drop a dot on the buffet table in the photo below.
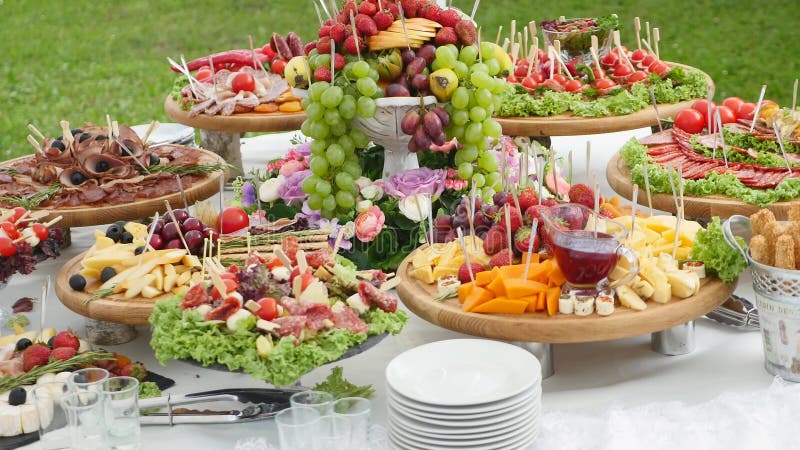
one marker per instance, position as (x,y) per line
(590,377)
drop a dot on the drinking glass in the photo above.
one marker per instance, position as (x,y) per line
(87,380)
(332,434)
(53,430)
(297,427)
(356,411)
(86,420)
(321,401)
(121,404)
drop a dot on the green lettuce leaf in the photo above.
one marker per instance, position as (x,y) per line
(383,322)
(337,386)
(722,259)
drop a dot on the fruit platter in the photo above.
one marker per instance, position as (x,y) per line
(577,85)
(241,89)
(750,164)
(98,174)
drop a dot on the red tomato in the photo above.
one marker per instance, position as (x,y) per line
(203,74)
(19,211)
(746,111)
(243,81)
(41,231)
(278,65)
(690,120)
(267,50)
(268,308)
(10,229)
(228,276)
(610,59)
(230,286)
(622,70)
(529,83)
(726,114)
(7,247)
(573,85)
(649,59)
(658,67)
(638,55)
(733,103)
(561,79)
(273,263)
(604,83)
(598,74)
(702,107)
(232,219)
(639,75)
(512,79)
(538,78)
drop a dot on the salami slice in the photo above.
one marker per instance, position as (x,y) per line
(664,137)
(195,296)
(291,305)
(318,316)
(290,326)
(347,319)
(370,294)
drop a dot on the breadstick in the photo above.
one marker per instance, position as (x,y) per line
(784,252)
(771,231)
(759,250)
(759,220)
(793,230)
(794,213)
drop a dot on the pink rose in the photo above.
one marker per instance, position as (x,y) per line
(369,224)
(291,166)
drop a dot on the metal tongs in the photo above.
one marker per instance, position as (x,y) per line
(240,405)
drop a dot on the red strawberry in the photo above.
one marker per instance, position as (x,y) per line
(323,31)
(582,194)
(522,240)
(409,8)
(66,339)
(309,46)
(337,33)
(527,198)
(501,259)
(516,220)
(63,353)
(365,25)
(446,36)
(534,212)
(322,74)
(465,30)
(495,240)
(393,9)
(346,9)
(350,45)
(448,17)
(383,19)
(367,8)
(324,46)
(463,271)
(35,355)
(550,202)
(135,370)
(431,11)
(338,62)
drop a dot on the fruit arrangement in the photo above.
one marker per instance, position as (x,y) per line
(275,319)
(239,81)
(24,241)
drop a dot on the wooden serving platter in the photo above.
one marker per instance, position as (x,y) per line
(619,178)
(83,216)
(113,308)
(560,328)
(237,123)
(571,125)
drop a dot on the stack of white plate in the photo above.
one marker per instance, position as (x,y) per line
(464,393)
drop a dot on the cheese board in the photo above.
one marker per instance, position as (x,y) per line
(557,329)
(237,123)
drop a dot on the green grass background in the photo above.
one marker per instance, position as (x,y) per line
(80,60)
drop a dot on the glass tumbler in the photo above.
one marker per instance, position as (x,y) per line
(85,419)
(356,411)
(297,427)
(87,380)
(321,401)
(121,404)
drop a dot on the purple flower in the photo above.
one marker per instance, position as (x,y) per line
(248,194)
(416,181)
(291,191)
(304,149)
(334,226)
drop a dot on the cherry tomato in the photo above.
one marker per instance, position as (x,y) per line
(538,78)
(560,79)
(234,269)
(622,70)
(702,107)
(638,55)
(10,229)
(639,75)
(243,81)
(41,231)
(529,83)
(268,308)
(277,66)
(648,60)
(512,79)
(604,83)
(267,50)
(610,59)
(203,74)
(230,286)
(690,120)
(7,247)
(19,211)
(598,74)
(658,67)
(273,263)
(573,85)
(232,219)
(726,114)
(733,103)
(746,111)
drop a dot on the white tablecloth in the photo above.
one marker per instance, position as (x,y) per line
(589,378)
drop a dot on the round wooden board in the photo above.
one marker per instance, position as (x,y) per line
(619,178)
(561,328)
(571,125)
(113,308)
(237,123)
(98,215)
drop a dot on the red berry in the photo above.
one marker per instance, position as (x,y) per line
(337,33)
(367,8)
(63,353)
(66,339)
(383,19)
(35,355)
(502,258)
(448,17)
(324,46)
(463,271)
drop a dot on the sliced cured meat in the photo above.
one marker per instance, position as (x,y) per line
(372,295)
(226,309)
(347,319)
(318,317)
(662,137)
(11,367)
(290,326)
(195,296)
(292,305)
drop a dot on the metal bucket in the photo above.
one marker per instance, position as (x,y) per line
(777,294)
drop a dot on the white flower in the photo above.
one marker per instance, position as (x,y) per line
(363,205)
(363,182)
(349,229)
(268,191)
(415,207)
(372,192)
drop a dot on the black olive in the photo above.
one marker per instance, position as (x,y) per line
(23,343)
(113,234)
(100,137)
(50,341)
(17,396)
(59,145)
(121,224)
(84,137)
(59,138)
(77,282)
(126,238)
(107,273)
(154,159)
(101,166)
(75,131)
(77,178)
(138,250)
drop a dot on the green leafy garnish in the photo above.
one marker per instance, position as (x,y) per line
(711,248)
(34,200)
(54,366)
(337,386)
(18,319)
(100,293)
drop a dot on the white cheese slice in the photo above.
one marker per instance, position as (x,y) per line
(29,418)
(10,423)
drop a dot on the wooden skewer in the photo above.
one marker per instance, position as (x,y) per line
(618,44)
(153,125)
(553,62)
(634,204)
(515,51)
(780,143)
(302,263)
(499,33)
(513,36)
(430,215)
(53,222)
(647,188)
(205,252)
(655,108)
(758,106)
(596,203)
(325,9)
(677,233)
(466,253)
(561,65)
(637,27)
(534,227)
(43,310)
(532,55)
(403,24)
(794,96)
(525,39)
(508,233)
(475,11)
(506,44)
(722,138)
(647,27)
(588,157)
(532,28)
(23,217)
(67,133)
(516,202)
(569,166)
(178,226)
(319,16)
(338,242)
(278,251)
(520,43)
(656,38)
(355,37)
(39,134)
(34,144)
